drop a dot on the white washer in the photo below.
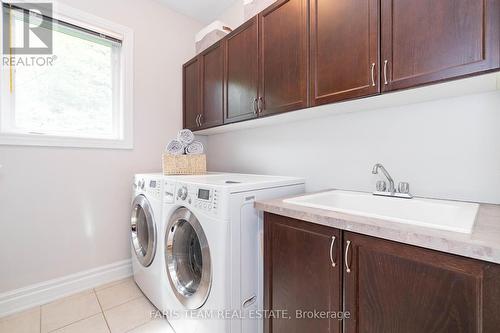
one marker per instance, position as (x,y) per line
(144,230)
(146,236)
(212,247)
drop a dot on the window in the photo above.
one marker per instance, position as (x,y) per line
(79,95)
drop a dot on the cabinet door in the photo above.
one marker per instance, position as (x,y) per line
(242,71)
(299,275)
(191,94)
(212,82)
(425,41)
(344,49)
(393,287)
(284,57)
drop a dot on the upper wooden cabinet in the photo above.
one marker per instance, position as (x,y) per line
(303,272)
(425,41)
(392,287)
(344,49)
(212,86)
(203,89)
(284,56)
(242,61)
(191,99)
(301,53)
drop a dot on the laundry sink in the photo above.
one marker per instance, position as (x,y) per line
(437,214)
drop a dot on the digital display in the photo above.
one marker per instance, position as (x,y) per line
(152,184)
(203,194)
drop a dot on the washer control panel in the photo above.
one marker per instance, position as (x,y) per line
(169,192)
(152,187)
(206,199)
(203,198)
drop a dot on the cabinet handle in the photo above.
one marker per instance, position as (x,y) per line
(197,121)
(249,301)
(201,121)
(262,105)
(346,259)
(385,72)
(255,106)
(373,75)
(331,251)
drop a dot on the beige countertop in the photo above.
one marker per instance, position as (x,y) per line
(483,243)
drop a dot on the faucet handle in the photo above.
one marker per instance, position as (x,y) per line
(404,188)
(381,186)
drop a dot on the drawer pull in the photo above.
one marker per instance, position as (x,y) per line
(331,251)
(346,259)
(249,301)
(373,75)
(386,82)
(262,104)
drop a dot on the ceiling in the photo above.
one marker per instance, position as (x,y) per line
(204,11)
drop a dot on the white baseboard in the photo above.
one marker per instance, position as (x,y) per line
(45,292)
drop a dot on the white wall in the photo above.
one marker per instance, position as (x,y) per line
(233,16)
(63,211)
(448,148)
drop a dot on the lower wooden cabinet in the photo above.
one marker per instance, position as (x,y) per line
(394,287)
(385,287)
(303,272)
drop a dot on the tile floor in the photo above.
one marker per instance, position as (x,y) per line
(116,307)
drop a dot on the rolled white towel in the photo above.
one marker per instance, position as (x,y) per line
(185,136)
(175,147)
(195,148)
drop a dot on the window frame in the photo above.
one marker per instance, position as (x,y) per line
(125,115)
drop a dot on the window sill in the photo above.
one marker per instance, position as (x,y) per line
(8,139)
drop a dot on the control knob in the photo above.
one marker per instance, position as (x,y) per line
(182,193)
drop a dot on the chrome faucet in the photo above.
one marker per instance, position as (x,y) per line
(382,190)
(378,166)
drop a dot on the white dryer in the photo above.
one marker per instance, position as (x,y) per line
(212,246)
(144,234)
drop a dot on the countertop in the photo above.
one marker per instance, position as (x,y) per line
(483,243)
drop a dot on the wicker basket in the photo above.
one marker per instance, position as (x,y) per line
(184,164)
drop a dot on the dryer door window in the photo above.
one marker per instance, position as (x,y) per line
(188,259)
(143,230)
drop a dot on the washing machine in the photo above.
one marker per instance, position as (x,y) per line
(144,234)
(213,250)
